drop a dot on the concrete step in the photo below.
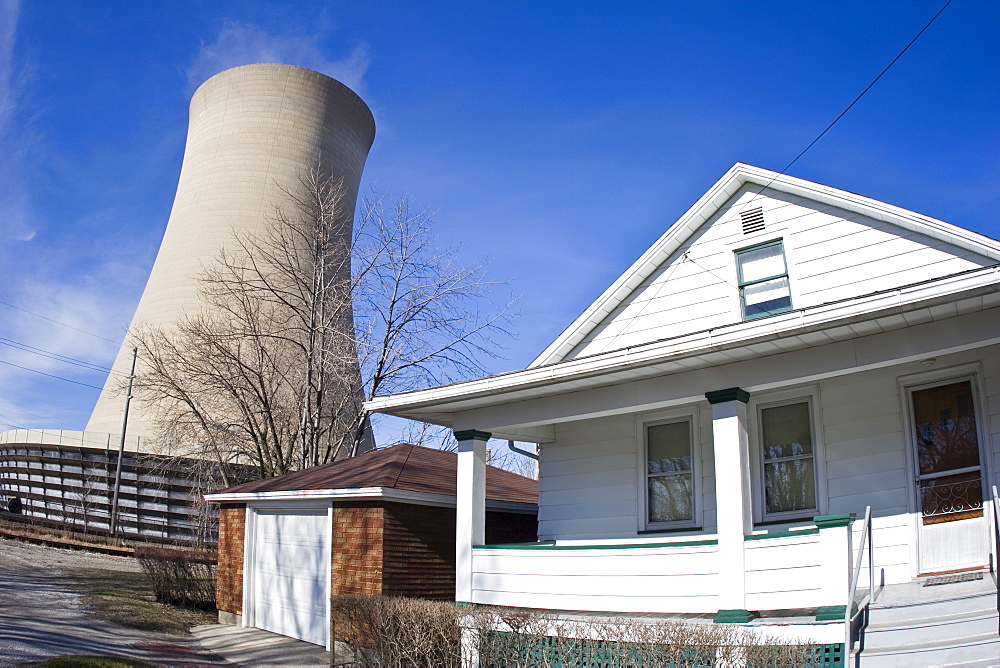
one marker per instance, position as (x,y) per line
(944,628)
(952,625)
(883,614)
(978,652)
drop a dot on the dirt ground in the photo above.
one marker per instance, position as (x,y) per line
(55,602)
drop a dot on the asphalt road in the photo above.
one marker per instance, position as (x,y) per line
(41,616)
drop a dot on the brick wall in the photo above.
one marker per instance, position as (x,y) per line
(357,548)
(229,575)
(419,551)
(419,547)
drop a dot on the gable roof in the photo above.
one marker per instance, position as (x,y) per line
(701,212)
(404,467)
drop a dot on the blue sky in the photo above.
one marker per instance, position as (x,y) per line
(557,139)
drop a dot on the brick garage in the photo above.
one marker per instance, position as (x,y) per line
(387,520)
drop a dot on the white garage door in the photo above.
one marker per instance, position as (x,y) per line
(291,573)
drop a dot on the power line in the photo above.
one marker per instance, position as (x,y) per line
(867,88)
(53,355)
(854,102)
(62,324)
(75,382)
(6,419)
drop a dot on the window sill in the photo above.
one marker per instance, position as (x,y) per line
(653,532)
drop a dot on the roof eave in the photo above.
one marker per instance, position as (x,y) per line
(278,497)
(422,404)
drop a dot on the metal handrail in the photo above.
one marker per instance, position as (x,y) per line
(996,533)
(849,614)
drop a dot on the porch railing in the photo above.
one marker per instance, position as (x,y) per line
(850,615)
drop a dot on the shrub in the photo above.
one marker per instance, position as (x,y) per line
(180,576)
(394,632)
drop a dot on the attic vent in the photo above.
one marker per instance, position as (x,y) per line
(753,220)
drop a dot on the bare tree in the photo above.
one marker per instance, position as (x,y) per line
(303,322)
(422,317)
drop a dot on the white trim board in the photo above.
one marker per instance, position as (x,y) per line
(301,496)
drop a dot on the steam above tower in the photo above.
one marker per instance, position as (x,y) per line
(254,131)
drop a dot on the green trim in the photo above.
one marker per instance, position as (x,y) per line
(832,521)
(781,534)
(647,532)
(516,546)
(625,546)
(472,435)
(831,613)
(729,394)
(734,616)
(785,521)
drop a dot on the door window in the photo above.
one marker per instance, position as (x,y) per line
(947,440)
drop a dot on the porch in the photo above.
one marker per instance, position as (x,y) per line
(804,569)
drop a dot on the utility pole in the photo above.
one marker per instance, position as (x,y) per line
(121,449)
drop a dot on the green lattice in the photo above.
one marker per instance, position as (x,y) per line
(549,652)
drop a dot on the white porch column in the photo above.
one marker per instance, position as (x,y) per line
(732,496)
(470,509)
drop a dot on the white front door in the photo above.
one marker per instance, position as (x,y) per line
(291,573)
(953,534)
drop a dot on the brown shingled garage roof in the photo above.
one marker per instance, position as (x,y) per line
(404,467)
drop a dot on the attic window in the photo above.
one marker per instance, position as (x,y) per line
(753,220)
(763,277)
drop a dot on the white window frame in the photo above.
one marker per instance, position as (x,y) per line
(759,402)
(740,284)
(690,415)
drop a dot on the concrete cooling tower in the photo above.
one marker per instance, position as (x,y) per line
(253,132)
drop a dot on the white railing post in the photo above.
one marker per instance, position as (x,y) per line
(836,554)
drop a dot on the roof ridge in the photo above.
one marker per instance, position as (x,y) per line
(403,465)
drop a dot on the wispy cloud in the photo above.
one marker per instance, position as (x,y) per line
(245,44)
(15,209)
(9,11)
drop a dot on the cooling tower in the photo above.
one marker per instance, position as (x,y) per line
(253,132)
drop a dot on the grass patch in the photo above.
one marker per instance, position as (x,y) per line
(126,598)
(94,662)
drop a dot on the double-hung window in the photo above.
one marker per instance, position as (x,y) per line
(763,278)
(788,459)
(669,473)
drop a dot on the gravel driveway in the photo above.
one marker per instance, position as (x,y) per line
(41,615)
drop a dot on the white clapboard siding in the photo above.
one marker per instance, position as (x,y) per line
(588,484)
(783,572)
(596,508)
(831,254)
(891,538)
(681,579)
(586,528)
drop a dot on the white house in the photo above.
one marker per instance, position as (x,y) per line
(712,429)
